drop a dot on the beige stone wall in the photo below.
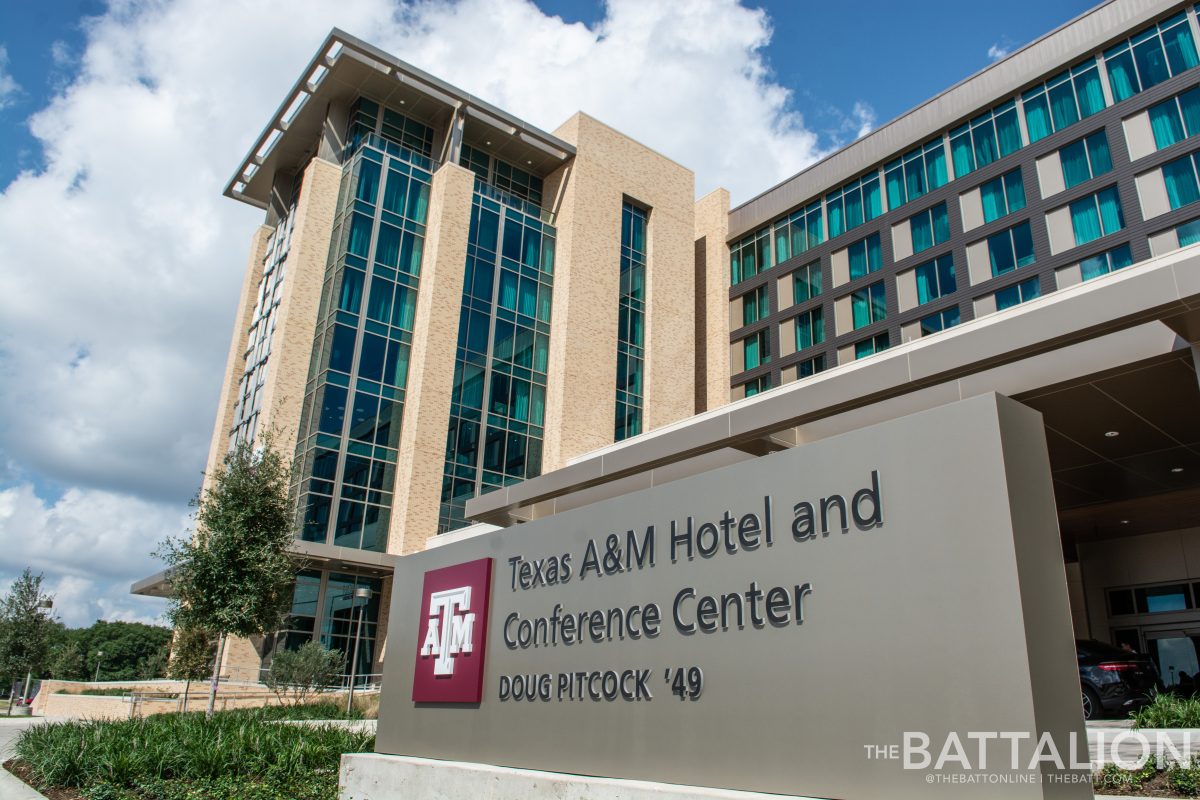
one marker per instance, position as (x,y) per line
(712,257)
(242,659)
(291,347)
(588,194)
(431,366)
(235,363)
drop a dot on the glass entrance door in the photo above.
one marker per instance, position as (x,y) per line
(1177,656)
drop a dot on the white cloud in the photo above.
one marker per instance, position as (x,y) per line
(8,85)
(120,263)
(999,51)
(88,543)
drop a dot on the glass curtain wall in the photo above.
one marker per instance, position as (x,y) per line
(354,400)
(631,322)
(498,399)
(325,609)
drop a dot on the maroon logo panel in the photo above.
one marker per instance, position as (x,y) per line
(452,634)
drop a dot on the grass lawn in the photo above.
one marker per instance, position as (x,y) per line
(241,754)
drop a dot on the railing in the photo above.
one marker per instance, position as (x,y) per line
(377,142)
(513,201)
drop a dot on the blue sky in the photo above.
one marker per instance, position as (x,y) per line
(120,261)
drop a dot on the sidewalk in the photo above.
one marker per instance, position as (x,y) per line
(12,787)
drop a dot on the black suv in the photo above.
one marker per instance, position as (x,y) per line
(1114,680)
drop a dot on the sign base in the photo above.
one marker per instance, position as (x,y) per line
(371,776)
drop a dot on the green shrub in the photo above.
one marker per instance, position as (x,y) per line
(1184,779)
(1168,711)
(325,709)
(296,674)
(1112,777)
(242,748)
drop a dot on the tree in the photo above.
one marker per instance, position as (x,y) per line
(132,650)
(66,662)
(234,575)
(25,628)
(295,674)
(191,658)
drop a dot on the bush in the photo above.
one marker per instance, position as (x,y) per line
(1168,711)
(1184,779)
(1112,777)
(324,709)
(234,754)
(296,674)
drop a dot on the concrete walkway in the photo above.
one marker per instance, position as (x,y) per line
(12,787)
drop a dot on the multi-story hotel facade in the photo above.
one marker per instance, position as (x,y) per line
(453,317)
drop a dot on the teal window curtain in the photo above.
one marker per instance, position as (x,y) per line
(1120,257)
(837,222)
(941,223)
(894,178)
(1022,239)
(1189,233)
(1014,190)
(1180,178)
(1089,92)
(1098,157)
(1085,220)
(1000,253)
(1008,130)
(947,284)
(935,165)
(735,265)
(960,151)
(1165,123)
(922,232)
(1074,164)
(751,352)
(1094,267)
(1037,115)
(864,348)
(991,194)
(359,243)
(1063,110)
(874,255)
(927,287)
(872,199)
(854,208)
(783,243)
(508,290)
(797,236)
(1151,62)
(878,302)
(1189,105)
(860,307)
(857,255)
(1121,76)
(1111,217)
(984,136)
(914,179)
(1181,49)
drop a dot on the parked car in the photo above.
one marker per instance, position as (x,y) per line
(1114,681)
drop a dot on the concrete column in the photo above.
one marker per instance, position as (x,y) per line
(581,382)
(431,364)
(291,346)
(712,296)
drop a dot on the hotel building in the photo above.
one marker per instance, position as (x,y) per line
(455,318)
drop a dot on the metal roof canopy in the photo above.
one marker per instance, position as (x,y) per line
(346,67)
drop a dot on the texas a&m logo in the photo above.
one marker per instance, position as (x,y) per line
(452,634)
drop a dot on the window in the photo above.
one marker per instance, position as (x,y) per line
(1097,215)
(868,305)
(1106,262)
(800,231)
(810,328)
(631,319)
(936,323)
(1018,293)
(1149,58)
(915,173)
(853,204)
(935,279)
(984,139)
(869,347)
(806,282)
(750,256)
(864,256)
(1180,177)
(810,367)
(1156,599)
(1189,233)
(929,228)
(1085,159)
(757,349)
(1175,119)
(755,306)
(1063,100)
(1010,249)
(758,385)
(1002,195)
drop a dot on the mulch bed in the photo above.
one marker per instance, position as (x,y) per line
(23,771)
(1154,787)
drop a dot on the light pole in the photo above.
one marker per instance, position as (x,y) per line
(360,593)
(99,655)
